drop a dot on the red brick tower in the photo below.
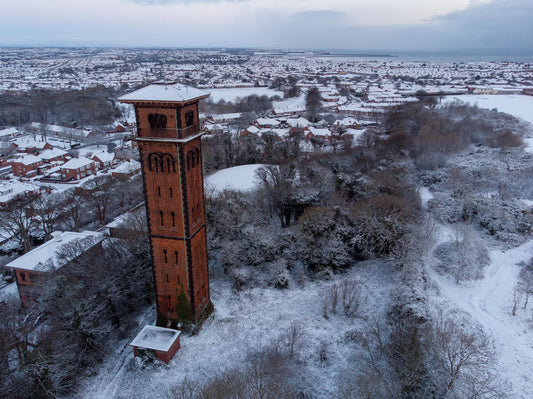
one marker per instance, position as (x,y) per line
(168,136)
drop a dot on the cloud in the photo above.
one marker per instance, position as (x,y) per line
(166,2)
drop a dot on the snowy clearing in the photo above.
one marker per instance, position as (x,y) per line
(245,323)
(241,92)
(488,302)
(516,105)
(238,178)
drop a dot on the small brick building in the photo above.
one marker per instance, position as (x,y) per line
(163,342)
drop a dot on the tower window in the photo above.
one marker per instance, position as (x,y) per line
(158,191)
(189,118)
(173,219)
(167,278)
(176,257)
(157,121)
(170,191)
(165,255)
(169,301)
(161,218)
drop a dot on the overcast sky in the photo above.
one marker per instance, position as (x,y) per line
(309,24)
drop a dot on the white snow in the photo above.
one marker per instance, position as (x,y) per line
(425,196)
(488,302)
(239,178)
(162,92)
(38,257)
(156,338)
(518,105)
(77,163)
(240,92)
(529,145)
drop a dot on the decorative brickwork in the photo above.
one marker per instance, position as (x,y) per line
(168,137)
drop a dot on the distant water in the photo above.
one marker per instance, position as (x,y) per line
(472,55)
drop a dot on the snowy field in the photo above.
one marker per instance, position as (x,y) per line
(513,104)
(241,92)
(238,178)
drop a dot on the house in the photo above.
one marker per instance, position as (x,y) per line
(30,145)
(250,130)
(267,123)
(163,342)
(78,168)
(127,169)
(31,268)
(53,155)
(8,133)
(313,132)
(26,166)
(104,159)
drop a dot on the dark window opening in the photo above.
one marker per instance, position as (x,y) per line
(173,219)
(159,191)
(22,276)
(170,191)
(189,118)
(157,121)
(176,257)
(167,278)
(161,218)
(169,300)
(165,255)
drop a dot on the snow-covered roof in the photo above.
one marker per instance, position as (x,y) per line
(128,167)
(252,129)
(165,93)
(41,256)
(300,122)
(53,153)
(105,156)
(29,142)
(28,160)
(76,163)
(10,131)
(268,122)
(156,338)
(319,132)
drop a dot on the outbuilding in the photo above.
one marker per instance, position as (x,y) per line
(163,342)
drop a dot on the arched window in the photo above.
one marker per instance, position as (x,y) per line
(157,121)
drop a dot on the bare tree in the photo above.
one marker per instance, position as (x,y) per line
(49,209)
(463,354)
(19,219)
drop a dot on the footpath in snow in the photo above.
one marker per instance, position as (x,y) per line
(489,303)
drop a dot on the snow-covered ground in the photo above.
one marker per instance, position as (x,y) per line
(513,104)
(238,178)
(245,323)
(488,303)
(241,92)
(529,145)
